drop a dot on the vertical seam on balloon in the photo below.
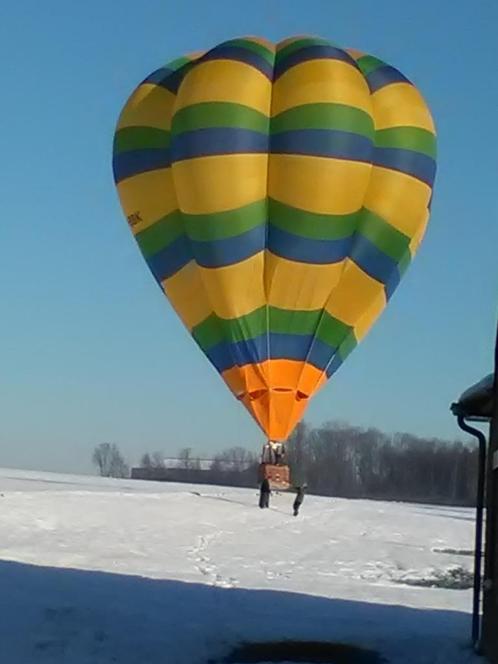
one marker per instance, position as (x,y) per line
(267,230)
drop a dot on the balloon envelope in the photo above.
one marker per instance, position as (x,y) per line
(278,193)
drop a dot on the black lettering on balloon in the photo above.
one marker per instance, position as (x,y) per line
(134,218)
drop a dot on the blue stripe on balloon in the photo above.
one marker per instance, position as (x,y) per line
(383,76)
(376,264)
(306,250)
(240,54)
(170,79)
(217,141)
(372,260)
(159,76)
(127,164)
(299,347)
(334,365)
(416,164)
(317,52)
(226,355)
(320,354)
(210,254)
(290,346)
(323,143)
(171,259)
(392,283)
(227,251)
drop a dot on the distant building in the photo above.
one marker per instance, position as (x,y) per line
(200,471)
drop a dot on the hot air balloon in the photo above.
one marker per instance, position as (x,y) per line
(278,193)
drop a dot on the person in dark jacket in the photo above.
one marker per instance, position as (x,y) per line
(264,494)
(299,499)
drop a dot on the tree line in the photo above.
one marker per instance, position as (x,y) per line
(337,459)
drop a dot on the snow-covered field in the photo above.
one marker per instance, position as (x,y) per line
(96,571)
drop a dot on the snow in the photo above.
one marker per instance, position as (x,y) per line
(96,571)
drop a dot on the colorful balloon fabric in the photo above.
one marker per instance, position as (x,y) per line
(278,193)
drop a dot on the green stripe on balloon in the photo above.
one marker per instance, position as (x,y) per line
(311,224)
(324,116)
(347,346)
(331,330)
(334,227)
(259,49)
(230,223)
(404,263)
(369,63)
(219,114)
(285,321)
(300,43)
(200,227)
(160,234)
(178,63)
(325,327)
(214,330)
(139,138)
(388,239)
(407,138)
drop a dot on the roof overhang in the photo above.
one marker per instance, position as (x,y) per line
(477,402)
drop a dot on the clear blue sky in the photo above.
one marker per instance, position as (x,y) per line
(91,352)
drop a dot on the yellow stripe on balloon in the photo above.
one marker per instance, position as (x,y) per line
(235,290)
(147,197)
(370,315)
(149,106)
(224,182)
(186,293)
(225,81)
(299,286)
(318,184)
(419,233)
(356,294)
(401,105)
(406,205)
(321,81)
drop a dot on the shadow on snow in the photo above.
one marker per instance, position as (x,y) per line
(81,617)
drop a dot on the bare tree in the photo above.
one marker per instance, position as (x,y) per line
(235,459)
(109,460)
(157,460)
(146,461)
(185,458)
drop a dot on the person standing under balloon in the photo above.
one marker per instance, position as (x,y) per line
(279,453)
(299,499)
(264,494)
